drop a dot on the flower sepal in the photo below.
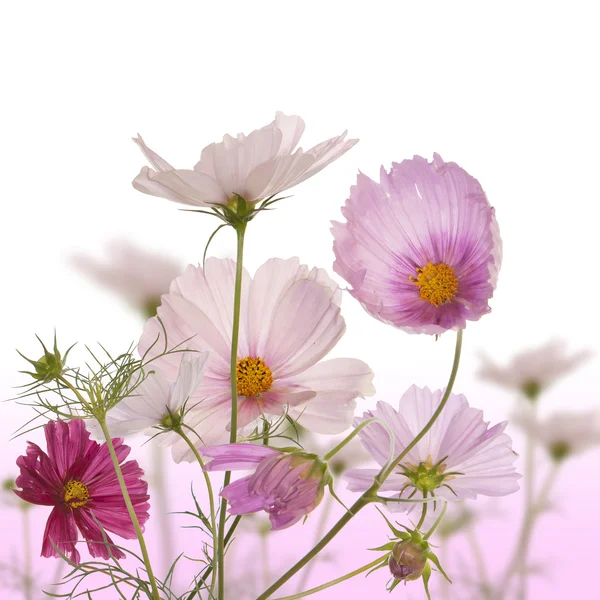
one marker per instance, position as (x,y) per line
(50,366)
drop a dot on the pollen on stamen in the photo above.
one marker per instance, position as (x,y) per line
(253,377)
(76,494)
(437,283)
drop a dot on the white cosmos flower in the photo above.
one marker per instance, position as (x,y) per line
(255,167)
(533,370)
(562,433)
(140,277)
(156,401)
(460,457)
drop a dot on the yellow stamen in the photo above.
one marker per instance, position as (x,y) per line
(76,494)
(253,377)
(437,283)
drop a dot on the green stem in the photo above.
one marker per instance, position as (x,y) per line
(235,332)
(356,431)
(423,513)
(211,500)
(324,586)
(437,521)
(325,511)
(371,494)
(210,569)
(130,509)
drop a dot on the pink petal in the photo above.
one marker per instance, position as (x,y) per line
(306,326)
(234,457)
(61,529)
(93,536)
(328,412)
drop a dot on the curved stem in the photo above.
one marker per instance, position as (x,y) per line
(211,500)
(162,505)
(235,332)
(371,494)
(423,513)
(324,586)
(437,521)
(356,431)
(130,509)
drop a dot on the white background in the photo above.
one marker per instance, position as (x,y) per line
(507,90)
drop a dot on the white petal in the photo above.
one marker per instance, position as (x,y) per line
(158,163)
(292,128)
(328,412)
(191,373)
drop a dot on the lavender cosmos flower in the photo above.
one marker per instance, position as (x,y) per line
(286,486)
(534,370)
(421,249)
(255,167)
(458,458)
(289,320)
(78,479)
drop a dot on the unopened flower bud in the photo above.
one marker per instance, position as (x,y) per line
(408,559)
(49,366)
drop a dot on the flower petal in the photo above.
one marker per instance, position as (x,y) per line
(235,457)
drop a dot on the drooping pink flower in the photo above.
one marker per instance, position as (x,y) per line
(459,458)
(289,320)
(421,249)
(255,167)
(78,479)
(286,486)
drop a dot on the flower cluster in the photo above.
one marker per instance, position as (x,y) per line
(234,368)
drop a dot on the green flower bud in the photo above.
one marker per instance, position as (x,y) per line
(49,366)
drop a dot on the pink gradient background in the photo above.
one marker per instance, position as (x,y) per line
(504,91)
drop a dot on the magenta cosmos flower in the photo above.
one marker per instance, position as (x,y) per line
(286,486)
(421,249)
(289,320)
(78,479)
(255,167)
(459,458)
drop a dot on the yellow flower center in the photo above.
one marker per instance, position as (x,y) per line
(253,377)
(76,494)
(437,283)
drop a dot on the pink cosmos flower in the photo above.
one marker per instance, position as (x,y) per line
(290,319)
(138,276)
(255,167)
(286,486)
(458,458)
(78,479)
(421,249)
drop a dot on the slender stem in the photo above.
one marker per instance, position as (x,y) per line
(210,569)
(324,586)
(371,494)
(27,575)
(484,578)
(423,513)
(523,547)
(235,331)
(162,505)
(325,512)
(437,521)
(356,431)
(211,499)
(517,565)
(130,509)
